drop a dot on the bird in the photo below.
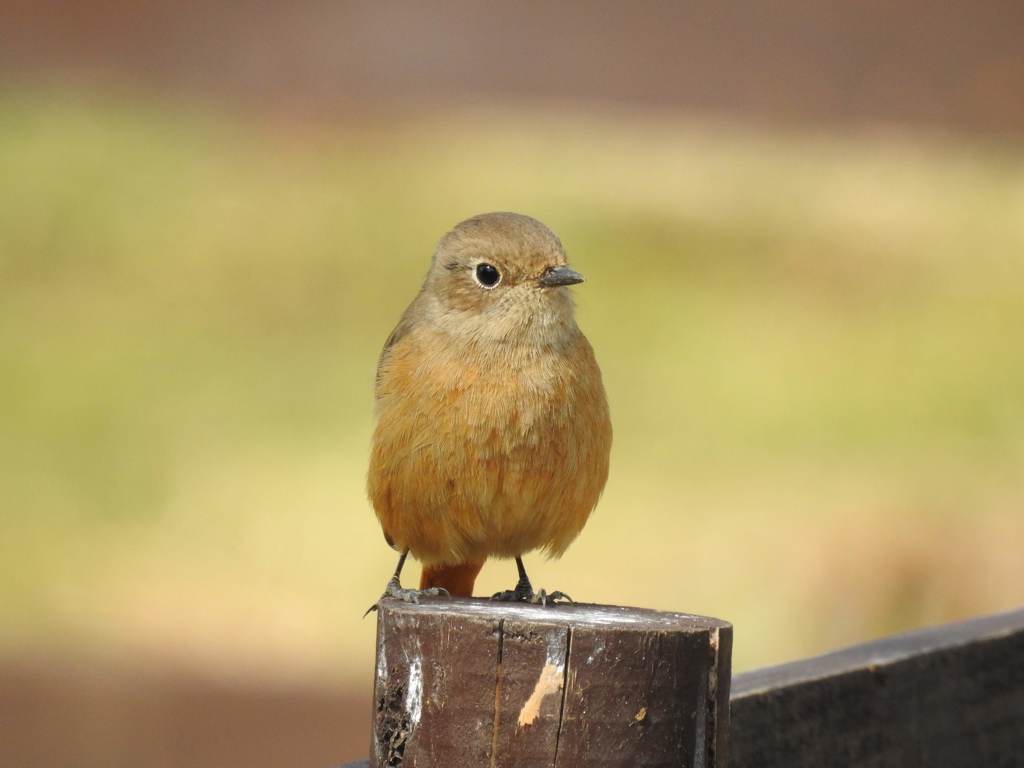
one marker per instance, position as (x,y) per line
(492,434)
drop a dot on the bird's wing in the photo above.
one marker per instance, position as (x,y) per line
(405,324)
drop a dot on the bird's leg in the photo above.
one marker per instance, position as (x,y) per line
(395,589)
(523,593)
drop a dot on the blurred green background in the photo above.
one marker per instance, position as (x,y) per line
(811,332)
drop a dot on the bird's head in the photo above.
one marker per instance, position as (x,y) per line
(502,276)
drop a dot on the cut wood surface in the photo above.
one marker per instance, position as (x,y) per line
(463,682)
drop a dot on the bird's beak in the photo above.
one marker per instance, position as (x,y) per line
(555,276)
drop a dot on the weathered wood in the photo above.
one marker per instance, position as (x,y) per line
(477,683)
(947,697)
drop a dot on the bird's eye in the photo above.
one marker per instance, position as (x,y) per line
(487,275)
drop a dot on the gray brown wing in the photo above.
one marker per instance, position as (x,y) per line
(401,330)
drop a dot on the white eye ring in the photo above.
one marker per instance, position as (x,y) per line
(487,276)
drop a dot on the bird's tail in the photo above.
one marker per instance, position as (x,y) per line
(457,579)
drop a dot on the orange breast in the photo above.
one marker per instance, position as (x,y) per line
(485,452)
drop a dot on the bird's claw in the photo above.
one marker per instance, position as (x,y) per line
(544,598)
(540,597)
(395,590)
(523,593)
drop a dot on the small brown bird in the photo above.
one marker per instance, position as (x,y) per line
(492,434)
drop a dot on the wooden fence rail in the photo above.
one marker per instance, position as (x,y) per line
(947,697)
(943,697)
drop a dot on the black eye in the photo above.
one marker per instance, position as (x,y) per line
(488,276)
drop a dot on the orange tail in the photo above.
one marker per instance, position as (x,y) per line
(457,579)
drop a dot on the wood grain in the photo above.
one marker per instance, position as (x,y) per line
(945,697)
(474,683)
(948,697)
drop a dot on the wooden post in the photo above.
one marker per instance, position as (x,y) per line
(468,682)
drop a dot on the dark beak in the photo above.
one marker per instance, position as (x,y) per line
(555,276)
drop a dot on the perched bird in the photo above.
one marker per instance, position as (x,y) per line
(492,435)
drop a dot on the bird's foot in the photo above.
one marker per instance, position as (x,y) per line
(525,594)
(552,598)
(395,590)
